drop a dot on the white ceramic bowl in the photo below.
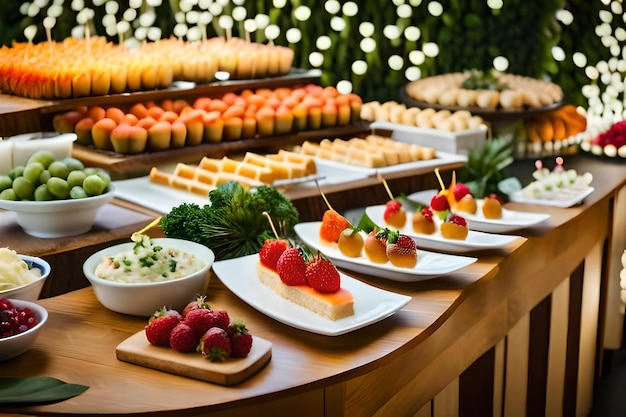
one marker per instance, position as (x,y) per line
(13,346)
(143,299)
(31,291)
(58,218)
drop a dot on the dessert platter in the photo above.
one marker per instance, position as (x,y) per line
(509,221)
(371,304)
(429,264)
(475,240)
(558,188)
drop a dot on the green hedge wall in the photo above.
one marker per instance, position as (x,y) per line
(469,34)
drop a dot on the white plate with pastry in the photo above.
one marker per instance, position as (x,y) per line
(429,264)
(371,304)
(564,199)
(510,220)
(475,240)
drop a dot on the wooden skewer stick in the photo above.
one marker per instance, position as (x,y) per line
(323,195)
(380,177)
(136,236)
(269,218)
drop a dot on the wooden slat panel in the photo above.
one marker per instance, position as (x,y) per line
(559,314)
(573,339)
(516,379)
(538,358)
(498,378)
(446,403)
(588,329)
(476,387)
(425,411)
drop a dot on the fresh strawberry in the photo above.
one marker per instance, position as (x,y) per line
(439,203)
(291,267)
(199,302)
(496,197)
(240,339)
(332,225)
(402,251)
(456,219)
(183,338)
(160,326)
(201,320)
(392,207)
(215,345)
(460,190)
(271,251)
(322,275)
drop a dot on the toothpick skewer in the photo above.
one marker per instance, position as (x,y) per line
(136,236)
(269,218)
(323,195)
(381,179)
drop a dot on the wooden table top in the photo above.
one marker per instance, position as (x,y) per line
(78,344)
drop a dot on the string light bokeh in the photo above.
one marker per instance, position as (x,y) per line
(395,46)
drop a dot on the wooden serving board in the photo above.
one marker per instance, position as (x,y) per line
(137,350)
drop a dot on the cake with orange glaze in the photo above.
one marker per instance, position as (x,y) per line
(334,306)
(294,279)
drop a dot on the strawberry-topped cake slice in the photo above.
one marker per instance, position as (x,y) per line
(314,283)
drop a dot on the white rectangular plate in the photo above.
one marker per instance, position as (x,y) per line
(510,220)
(429,264)
(564,200)
(475,240)
(371,304)
(157,197)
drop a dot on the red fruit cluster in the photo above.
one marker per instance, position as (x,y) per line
(15,320)
(456,219)
(616,136)
(200,329)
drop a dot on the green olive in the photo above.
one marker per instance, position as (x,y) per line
(5,182)
(23,188)
(94,185)
(44,157)
(17,171)
(78,192)
(76,178)
(58,187)
(8,194)
(58,169)
(32,172)
(44,176)
(42,193)
(73,164)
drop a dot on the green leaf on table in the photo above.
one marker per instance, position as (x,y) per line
(37,390)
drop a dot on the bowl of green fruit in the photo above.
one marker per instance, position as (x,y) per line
(55,197)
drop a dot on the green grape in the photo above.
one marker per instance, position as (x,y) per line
(58,169)
(76,178)
(16,171)
(78,192)
(73,164)
(44,176)
(42,193)
(5,182)
(23,188)
(94,185)
(58,187)
(32,172)
(44,157)
(8,194)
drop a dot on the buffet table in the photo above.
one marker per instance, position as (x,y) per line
(516,333)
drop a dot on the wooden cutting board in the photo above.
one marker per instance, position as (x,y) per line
(137,350)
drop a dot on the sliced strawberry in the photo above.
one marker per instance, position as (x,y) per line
(322,275)
(271,251)
(427,212)
(291,267)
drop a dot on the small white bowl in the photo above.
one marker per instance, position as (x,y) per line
(143,299)
(13,346)
(32,290)
(58,218)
